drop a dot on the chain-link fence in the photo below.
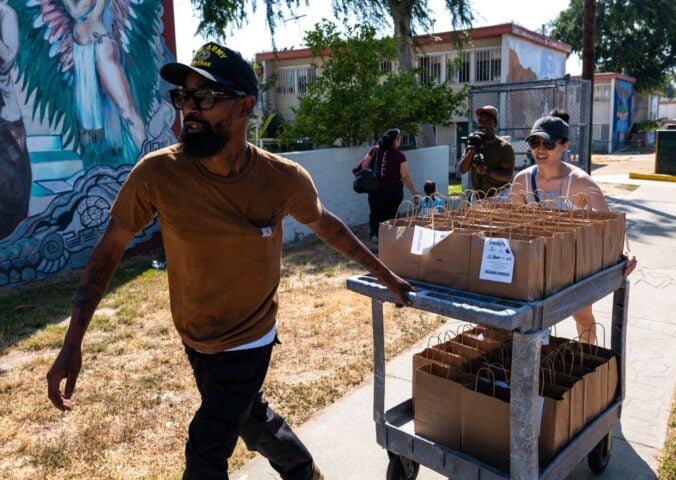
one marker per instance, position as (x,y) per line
(521,104)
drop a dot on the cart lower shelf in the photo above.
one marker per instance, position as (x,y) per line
(401,439)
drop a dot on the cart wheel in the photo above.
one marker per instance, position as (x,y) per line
(599,457)
(401,468)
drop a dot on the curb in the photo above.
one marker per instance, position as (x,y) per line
(653,176)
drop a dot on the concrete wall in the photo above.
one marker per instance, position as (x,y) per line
(331,170)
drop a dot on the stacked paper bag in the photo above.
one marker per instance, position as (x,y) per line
(461,392)
(503,250)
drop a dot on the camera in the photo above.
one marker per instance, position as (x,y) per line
(474,139)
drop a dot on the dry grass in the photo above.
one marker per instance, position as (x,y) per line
(135,395)
(667,469)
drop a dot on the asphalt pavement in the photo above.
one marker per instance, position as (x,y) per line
(342,437)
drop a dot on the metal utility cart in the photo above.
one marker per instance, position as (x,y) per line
(394,428)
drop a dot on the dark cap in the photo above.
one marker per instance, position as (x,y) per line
(218,64)
(490,110)
(550,128)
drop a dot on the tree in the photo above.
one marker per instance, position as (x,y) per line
(406,15)
(352,99)
(633,36)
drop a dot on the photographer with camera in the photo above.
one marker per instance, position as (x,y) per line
(490,157)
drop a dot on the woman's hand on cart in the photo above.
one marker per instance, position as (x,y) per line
(631,262)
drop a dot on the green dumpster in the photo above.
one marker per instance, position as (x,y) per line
(665,152)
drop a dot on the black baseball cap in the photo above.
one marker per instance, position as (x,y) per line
(552,129)
(218,64)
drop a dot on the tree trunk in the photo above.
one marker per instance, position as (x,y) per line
(401,12)
(588,60)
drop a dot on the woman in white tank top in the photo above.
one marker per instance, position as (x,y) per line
(557,184)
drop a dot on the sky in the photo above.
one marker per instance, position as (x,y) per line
(255,37)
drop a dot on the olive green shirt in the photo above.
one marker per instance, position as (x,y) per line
(496,154)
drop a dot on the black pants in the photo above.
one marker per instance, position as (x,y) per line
(383,205)
(233,405)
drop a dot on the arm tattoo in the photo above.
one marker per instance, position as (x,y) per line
(91,290)
(340,234)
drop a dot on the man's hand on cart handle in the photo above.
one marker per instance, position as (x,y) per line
(631,262)
(398,286)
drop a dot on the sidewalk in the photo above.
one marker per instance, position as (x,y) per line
(342,437)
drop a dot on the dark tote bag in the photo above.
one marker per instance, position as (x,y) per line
(366,179)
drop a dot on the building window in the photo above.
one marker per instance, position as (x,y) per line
(292,80)
(386,67)
(601,93)
(458,67)
(306,77)
(286,81)
(601,131)
(430,69)
(487,65)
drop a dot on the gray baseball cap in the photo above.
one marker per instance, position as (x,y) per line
(550,128)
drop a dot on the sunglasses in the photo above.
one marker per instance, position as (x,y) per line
(203,98)
(537,142)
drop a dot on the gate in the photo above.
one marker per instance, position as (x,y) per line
(521,104)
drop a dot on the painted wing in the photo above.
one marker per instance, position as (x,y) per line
(45,62)
(137,28)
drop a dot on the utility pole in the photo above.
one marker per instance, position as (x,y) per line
(588,63)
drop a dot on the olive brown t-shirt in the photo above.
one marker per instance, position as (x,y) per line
(222,238)
(496,154)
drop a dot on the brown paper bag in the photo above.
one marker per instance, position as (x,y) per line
(484,424)
(614,225)
(555,423)
(438,407)
(433,356)
(447,263)
(394,247)
(612,366)
(527,277)
(498,334)
(552,359)
(588,244)
(593,377)
(559,268)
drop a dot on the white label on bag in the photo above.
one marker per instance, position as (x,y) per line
(424,239)
(497,261)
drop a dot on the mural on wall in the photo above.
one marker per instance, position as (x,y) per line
(622,112)
(530,62)
(81,102)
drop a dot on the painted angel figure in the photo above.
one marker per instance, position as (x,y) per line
(106,53)
(15,168)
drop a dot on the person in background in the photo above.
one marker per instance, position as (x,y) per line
(431,203)
(221,203)
(494,167)
(394,174)
(564,186)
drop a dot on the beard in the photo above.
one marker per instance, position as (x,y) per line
(202,144)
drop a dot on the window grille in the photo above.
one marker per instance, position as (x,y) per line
(601,131)
(487,65)
(601,93)
(430,68)
(292,80)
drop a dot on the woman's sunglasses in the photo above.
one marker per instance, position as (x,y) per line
(536,142)
(203,98)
